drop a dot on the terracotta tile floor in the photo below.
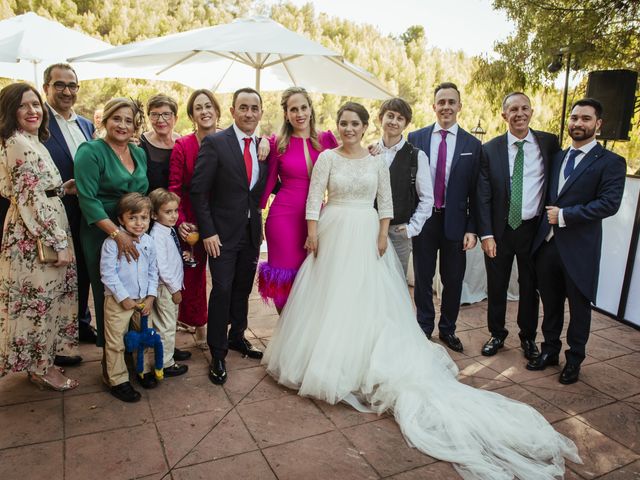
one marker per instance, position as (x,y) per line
(252,428)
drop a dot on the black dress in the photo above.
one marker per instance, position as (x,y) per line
(157,164)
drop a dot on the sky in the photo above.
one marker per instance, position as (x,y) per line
(468,25)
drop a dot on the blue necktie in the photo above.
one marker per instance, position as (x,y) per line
(174,235)
(571,163)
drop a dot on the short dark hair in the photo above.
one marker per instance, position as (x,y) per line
(10,100)
(206,93)
(50,68)
(245,90)
(396,104)
(133,202)
(589,102)
(162,196)
(162,100)
(443,85)
(356,108)
(513,94)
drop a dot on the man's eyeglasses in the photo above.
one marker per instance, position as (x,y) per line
(155,116)
(60,86)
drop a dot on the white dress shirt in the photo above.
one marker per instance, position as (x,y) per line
(532,174)
(255,169)
(451,147)
(70,129)
(561,181)
(170,268)
(424,186)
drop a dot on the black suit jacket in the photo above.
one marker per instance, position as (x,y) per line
(494,181)
(459,212)
(220,191)
(592,192)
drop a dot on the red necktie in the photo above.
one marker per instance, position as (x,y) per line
(248,161)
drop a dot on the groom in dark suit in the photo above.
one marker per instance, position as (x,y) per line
(225,191)
(67,131)
(454,158)
(585,186)
(511,186)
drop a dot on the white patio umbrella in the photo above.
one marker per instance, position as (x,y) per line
(254,50)
(30,43)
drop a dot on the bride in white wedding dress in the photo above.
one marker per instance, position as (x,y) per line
(348,333)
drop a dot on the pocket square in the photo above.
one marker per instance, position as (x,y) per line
(466,153)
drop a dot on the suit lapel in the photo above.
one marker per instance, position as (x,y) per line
(84,128)
(461,141)
(586,161)
(56,133)
(428,132)
(502,145)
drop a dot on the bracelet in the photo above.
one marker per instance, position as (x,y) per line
(114,234)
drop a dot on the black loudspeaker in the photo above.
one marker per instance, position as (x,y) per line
(615,89)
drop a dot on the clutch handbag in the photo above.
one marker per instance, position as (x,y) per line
(46,254)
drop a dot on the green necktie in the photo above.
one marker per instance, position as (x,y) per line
(515,203)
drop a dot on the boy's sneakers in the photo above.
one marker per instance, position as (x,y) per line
(180,355)
(125,392)
(175,370)
(148,380)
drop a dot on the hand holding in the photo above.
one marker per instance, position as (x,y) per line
(212,246)
(128,304)
(469,241)
(185,228)
(552,215)
(70,187)
(127,246)
(311,245)
(383,243)
(177,297)
(148,305)
(65,257)
(263,149)
(374,149)
(489,247)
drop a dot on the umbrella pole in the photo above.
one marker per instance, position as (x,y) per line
(258,79)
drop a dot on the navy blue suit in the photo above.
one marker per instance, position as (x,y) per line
(567,266)
(444,231)
(59,151)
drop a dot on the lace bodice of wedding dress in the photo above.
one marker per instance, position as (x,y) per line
(349,181)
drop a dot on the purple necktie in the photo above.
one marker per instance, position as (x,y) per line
(441,170)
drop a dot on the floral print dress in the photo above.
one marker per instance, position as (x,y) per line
(38,302)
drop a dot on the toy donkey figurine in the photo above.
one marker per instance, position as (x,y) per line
(139,340)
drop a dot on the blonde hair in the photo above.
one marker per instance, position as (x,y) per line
(116,104)
(287,129)
(162,196)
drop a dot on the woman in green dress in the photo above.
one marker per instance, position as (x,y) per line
(106,169)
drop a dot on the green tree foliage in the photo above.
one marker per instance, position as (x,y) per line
(599,34)
(406,65)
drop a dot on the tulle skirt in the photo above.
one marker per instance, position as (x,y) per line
(348,333)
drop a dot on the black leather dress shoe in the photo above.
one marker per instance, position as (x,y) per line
(570,374)
(452,342)
(148,380)
(175,370)
(530,349)
(542,361)
(66,361)
(245,348)
(492,346)
(181,355)
(218,371)
(87,334)
(125,392)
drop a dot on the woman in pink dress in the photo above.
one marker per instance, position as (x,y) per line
(204,111)
(293,154)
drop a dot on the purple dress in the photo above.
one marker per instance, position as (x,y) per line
(286,227)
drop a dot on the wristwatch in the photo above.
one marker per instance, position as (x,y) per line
(115,233)
(60,191)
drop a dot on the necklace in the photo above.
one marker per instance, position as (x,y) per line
(115,150)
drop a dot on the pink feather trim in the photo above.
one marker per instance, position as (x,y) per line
(275,283)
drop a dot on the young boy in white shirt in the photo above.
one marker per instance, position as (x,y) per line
(164,314)
(130,289)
